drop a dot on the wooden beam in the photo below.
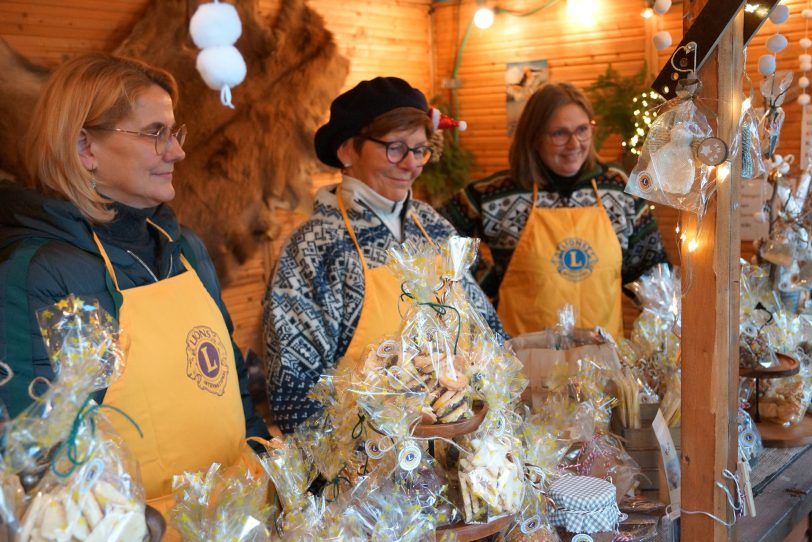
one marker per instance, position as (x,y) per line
(710,310)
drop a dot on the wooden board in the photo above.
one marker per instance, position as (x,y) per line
(785,502)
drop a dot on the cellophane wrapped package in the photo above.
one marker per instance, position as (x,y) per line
(443,339)
(221,504)
(669,170)
(81,480)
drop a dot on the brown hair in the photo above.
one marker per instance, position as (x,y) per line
(94,90)
(401,118)
(525,161)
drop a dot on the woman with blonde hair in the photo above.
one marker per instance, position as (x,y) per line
(558,223)
(101,151)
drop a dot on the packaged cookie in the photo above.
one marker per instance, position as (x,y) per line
(81,481)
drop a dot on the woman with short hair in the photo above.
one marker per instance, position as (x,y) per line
(331,294)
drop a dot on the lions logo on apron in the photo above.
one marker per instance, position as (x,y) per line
(204,360)
(574,259)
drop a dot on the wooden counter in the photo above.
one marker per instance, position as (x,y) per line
(785,502)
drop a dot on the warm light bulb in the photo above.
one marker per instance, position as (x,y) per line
(692,245)
(647,13)
(483,18)
(582,11)
(722,171)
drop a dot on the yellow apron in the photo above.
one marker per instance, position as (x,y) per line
(379,311)
(564,255)
(179,383)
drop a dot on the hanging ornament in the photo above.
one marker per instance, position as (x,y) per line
(680,150)
(774,89)
(662,39)
(441,121)
(751,159)
(805,59)
(215,28)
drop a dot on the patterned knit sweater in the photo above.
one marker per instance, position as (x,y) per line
(313,302)
(496,209)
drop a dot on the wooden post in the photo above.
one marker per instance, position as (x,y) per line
(710,310)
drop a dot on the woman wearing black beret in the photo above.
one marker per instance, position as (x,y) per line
(331,294)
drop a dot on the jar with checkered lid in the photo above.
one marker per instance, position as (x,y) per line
(584,504)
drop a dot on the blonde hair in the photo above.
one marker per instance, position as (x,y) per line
(94,90)
(525,161)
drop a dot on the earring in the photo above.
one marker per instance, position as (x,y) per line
(347,165)
(93,179)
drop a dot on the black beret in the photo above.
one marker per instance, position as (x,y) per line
(359,106)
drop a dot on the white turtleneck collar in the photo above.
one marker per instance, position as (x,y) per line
(390,212)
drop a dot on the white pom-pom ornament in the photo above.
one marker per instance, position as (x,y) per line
(215,28)
(780,14)
(803,82)
(776,43)
(805,58)
(803,99)
(805,66)
(662,40)
(215,25)
(662,6)
(806,43)
(807,14)
(766,65)
(221,69)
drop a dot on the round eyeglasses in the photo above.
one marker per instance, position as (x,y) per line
(396,151)
(162,137)
(562,136)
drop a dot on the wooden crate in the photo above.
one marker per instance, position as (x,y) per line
(642,445)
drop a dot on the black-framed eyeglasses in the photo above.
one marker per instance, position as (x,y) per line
(561,136)
(396,151)
(162,137)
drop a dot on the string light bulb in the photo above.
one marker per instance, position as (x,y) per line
(722,171)
(692,245)
(483,18)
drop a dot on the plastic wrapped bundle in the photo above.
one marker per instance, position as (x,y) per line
(219,505)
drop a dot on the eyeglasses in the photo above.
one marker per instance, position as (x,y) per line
(562,136)
(162,137)
(396,151)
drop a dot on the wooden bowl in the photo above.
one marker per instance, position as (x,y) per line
(787,366)
(466,532)
(156,524)
(454,429)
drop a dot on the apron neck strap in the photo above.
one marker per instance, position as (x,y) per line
(597,194)
(419,224)
(343,210)
(110,277)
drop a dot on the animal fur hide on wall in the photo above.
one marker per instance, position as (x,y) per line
(240,164)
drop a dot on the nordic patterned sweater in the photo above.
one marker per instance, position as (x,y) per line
(496,210)
(313,302)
